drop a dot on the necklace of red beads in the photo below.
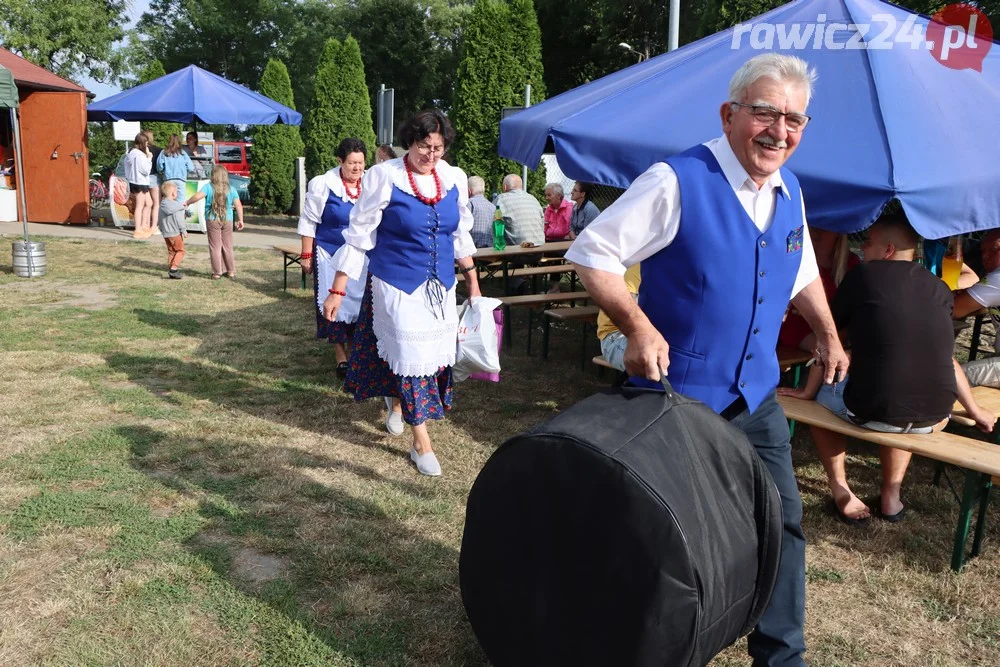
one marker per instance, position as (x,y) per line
(430,201)
(347,188)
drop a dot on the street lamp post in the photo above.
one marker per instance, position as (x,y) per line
(674,24)
(628,47)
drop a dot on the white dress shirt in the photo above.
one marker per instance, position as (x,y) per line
(646,218)
(317,194)
(411,339)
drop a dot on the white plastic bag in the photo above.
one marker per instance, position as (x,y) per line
(478,341)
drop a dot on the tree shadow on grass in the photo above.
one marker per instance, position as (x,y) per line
(278,340)
(294,403)
(134,266)
(282,366)
(267,282)
(337,562)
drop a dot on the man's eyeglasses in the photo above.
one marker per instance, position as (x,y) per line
(768,116)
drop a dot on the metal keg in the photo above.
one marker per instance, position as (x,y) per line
(29,259)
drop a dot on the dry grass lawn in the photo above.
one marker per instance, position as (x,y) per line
(182,482)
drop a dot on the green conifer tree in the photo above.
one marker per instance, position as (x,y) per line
(497,55)
(341,107)
(482,89)
(272,182)
(528,47)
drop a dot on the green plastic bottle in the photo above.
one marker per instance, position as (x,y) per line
(499,230)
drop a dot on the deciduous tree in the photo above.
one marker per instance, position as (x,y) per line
(582,39)
(397,50)
(73,38)
(103,152)
(231,38)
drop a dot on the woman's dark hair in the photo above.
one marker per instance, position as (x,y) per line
(192,134)
(587,189)
(348,146)
(388,151)
(141,141)
(422,125)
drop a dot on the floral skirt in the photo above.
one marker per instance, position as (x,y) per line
(334,332)
(369,376)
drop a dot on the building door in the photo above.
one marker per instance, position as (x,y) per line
(56,169)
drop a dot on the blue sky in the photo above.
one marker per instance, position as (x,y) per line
(102,90)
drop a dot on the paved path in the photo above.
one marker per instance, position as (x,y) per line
(258,233)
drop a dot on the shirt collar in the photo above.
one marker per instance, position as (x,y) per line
(735,173)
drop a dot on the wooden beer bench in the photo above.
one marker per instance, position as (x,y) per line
(585,315)
(534,300)
(532,271)
(292,255)
(979,460)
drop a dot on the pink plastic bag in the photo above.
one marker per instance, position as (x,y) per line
(493,377)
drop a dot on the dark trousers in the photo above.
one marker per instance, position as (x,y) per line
(778,638)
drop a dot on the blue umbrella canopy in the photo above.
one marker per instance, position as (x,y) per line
(889,119)
(193,95)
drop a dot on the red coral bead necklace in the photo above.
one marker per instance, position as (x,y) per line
(347,187)
(430,201)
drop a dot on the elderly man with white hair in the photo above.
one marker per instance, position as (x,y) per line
(522,213)
(482,213)
(720,230)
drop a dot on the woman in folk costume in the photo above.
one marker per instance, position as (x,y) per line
(325,217)
(412,224)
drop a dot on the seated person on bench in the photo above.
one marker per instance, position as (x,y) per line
(834,259)
(985,294)
(612,340)
(903,377)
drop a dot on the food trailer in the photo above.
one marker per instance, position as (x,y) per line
(189,96)
(121,214)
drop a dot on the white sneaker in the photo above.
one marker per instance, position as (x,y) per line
(393,420)
(427,464)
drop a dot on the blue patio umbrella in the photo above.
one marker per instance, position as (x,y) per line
(889,120)
(193,95)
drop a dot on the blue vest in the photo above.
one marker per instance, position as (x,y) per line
(415,241)
(335,220)
(718,291)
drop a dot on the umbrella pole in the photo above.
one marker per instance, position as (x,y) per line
(19,170)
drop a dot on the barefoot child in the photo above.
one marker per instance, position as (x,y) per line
(172,227)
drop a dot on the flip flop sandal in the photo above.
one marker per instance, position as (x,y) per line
(891,518)
(846,520)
